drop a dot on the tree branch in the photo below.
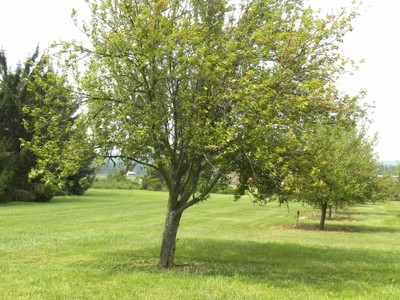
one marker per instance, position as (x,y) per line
(201,197)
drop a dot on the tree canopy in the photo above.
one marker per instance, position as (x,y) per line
(34,101)
(198,90)
(16,163)
(339,169)
(58,134)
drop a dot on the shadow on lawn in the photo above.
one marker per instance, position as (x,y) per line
(331,227)
(365,213)
(283,265)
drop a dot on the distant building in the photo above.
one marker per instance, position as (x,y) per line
(393,177)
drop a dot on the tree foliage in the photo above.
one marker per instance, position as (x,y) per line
(198,90)
(16,163)
(153,180)
(26,116)
(339,169)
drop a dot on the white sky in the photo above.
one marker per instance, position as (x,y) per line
(24,24)
(375,38)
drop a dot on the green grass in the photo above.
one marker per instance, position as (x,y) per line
(105,245)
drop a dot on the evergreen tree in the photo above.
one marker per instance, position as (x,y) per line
(20,99)
(15,163)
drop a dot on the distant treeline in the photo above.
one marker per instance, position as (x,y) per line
(118,166)
(387,168)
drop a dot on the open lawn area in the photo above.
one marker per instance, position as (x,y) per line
(105,245)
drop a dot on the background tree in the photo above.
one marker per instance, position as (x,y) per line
(197,90)
(20,102)
(15,163)
(53,123)
(393,176)
(340,169)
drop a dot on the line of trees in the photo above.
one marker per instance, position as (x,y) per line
(200,90)
(337,169)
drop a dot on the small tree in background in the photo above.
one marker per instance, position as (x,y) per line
(340,170)
(393,178)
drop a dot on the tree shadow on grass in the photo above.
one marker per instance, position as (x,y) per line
(329,227)
(106,196)
(365,213)
(283,265)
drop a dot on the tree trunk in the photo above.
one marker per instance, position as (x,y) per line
(169,239)
(323,216)
(330,212)
(177,204)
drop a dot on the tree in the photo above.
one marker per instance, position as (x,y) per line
(199,89)
(53,123)
(24,115)
(15,163)
(340,170)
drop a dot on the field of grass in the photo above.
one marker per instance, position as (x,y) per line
(105,245)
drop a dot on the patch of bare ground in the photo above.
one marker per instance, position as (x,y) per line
(335,217)
(183,266)
(312,227)
(340,218)
(188,267)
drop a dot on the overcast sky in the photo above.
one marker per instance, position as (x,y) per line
(375,38)
(24,24)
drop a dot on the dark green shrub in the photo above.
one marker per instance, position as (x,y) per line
(21,195)
(43,193)
(81,181)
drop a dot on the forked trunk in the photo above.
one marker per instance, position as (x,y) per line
(169,239)
(323,216)
(177,203)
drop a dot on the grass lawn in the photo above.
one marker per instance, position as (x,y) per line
(105,245)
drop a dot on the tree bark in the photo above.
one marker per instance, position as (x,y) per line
(330,212)
(169,239)
(177,204)
(323,216)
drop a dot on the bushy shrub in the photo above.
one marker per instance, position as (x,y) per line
(78,184)
(21,195)
(5,177)
(35,192)
(43,193)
